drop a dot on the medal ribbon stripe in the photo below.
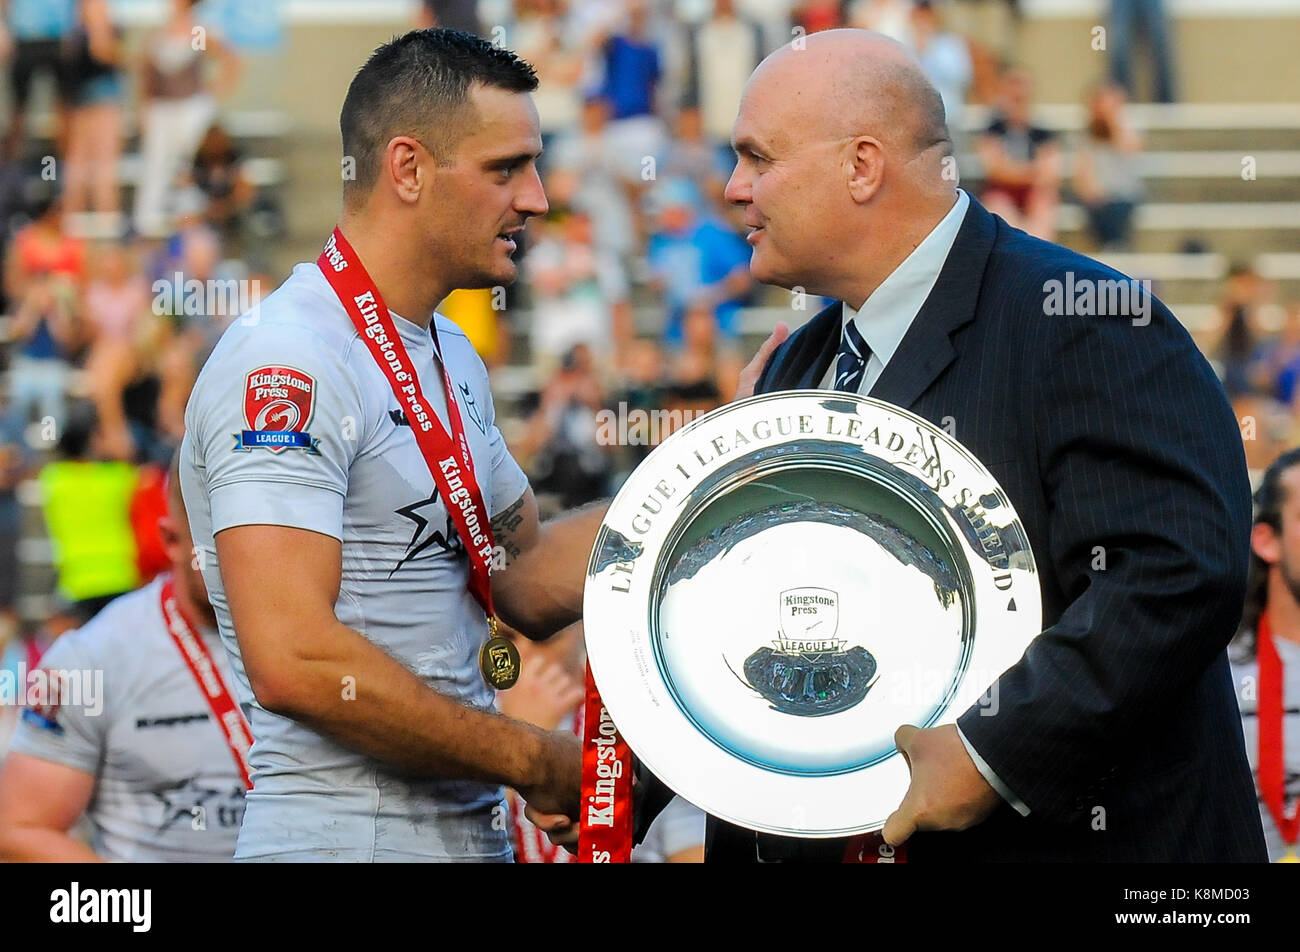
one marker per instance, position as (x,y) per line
(1272,770)
(605,834)
(195,654)
(872,848)
(446,455)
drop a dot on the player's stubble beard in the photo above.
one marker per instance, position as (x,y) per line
(1286,569)
(488,268)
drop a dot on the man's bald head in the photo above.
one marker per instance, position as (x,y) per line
(845,83)
(844,162)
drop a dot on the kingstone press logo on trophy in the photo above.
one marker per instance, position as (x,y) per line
(807,670)
(784,582)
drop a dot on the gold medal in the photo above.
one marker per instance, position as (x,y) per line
(498,659)
(1290,856)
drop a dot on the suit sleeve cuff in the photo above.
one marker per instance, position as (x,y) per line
(994,780)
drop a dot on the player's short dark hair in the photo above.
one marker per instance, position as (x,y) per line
(1269,499)
(418,85)
(1271,495)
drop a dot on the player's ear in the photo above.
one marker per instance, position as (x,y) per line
(1264,542)
(171,538)
(404,161)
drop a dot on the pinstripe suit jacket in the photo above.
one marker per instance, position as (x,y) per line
(1119,727)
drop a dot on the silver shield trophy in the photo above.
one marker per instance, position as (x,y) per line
(784,582)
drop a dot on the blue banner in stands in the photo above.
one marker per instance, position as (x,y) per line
(250,25)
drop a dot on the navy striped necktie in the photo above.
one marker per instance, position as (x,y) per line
(852,361)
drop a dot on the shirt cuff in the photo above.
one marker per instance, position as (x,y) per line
(295,504)
(994,780)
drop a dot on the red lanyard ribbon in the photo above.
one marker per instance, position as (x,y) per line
(1272,767)
(605,835)
(872,848)
(206,675)
(34,653)
(446,455)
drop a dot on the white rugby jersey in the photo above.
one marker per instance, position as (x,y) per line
(292,423)
(167,788)
(1245,677)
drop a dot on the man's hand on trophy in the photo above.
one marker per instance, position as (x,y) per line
(947,791)
(749,376)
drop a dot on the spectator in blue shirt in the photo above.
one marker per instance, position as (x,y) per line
(632,69)
(695,261)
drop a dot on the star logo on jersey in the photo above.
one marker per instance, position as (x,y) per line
(190,801)
(278,405)
(424,535)
(472,409)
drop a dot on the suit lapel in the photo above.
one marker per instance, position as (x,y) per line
(926,348)
(802,360)
(828,328)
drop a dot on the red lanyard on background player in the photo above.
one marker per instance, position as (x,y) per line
(447,455)
(34,653)
(1272,766)
(206,675)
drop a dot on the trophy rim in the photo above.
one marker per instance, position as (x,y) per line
(637,688)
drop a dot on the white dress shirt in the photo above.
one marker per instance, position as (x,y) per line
(883,321)
(886,315)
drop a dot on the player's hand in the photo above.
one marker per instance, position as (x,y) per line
(749,376)
(947,791)
(559,829)
(559,791)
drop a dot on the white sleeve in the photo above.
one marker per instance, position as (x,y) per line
(71,733)
(681,827)
(993,779)
(276,419)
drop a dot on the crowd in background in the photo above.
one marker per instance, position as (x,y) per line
(633,290)
(101,344)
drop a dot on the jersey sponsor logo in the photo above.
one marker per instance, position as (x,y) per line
(472,409)
(45,717)
(398,418)
(278,404)
(45,692)
(174,720)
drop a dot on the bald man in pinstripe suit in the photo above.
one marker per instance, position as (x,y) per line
(1116,737)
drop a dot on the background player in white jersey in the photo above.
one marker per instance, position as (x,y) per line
(339,578)
(1266,656)
(151,770)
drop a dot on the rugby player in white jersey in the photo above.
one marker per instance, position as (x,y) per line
(150,762)
(340,579)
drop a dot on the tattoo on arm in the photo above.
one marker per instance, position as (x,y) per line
(504,525)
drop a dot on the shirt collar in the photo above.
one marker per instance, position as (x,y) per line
(886,315)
